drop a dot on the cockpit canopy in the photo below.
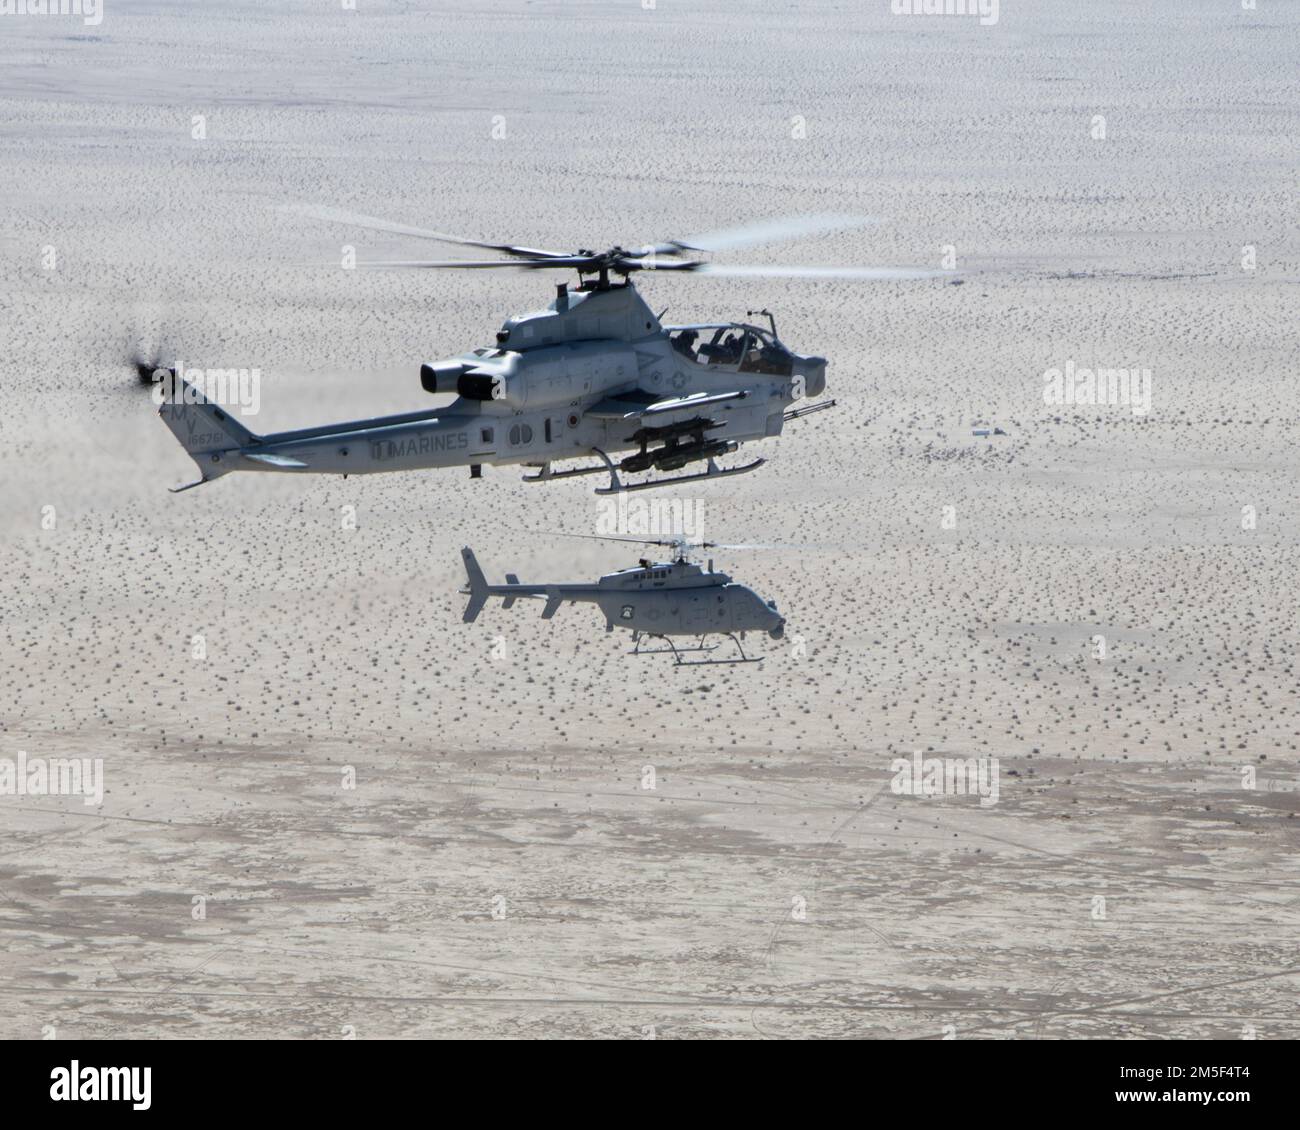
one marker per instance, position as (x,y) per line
(745,349)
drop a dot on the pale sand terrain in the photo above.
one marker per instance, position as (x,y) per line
(771,884)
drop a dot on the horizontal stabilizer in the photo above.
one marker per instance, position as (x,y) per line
(274,460)
(478,586)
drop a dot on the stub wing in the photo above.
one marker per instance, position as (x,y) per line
(639,404)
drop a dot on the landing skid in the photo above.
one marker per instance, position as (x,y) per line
(678,652)
(545,475)
(671,649)
(617,486)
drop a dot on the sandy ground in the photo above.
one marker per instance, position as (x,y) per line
(499,868)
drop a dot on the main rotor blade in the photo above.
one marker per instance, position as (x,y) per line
(443,264)
(676,542)
(774,271)
(772,231)
(656,264)
(340,216)
(609,537)
(751,545)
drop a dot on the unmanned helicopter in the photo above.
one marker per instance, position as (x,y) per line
(654,599)
(596,375)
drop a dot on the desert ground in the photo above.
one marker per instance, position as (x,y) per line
(332,809)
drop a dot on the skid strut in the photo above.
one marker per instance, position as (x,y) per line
(678,652)
(617,485)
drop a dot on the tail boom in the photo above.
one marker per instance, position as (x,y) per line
(478,590)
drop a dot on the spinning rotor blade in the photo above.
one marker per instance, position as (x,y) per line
(586,263)
(770,231)
(654,266)
(145,368)
(640,263)
(339,216)
(609,537)
(148,347)
(865,274)
(675,543)
(624,261)
(444,264)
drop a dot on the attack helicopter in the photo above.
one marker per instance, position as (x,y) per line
(654,600)
(594,375)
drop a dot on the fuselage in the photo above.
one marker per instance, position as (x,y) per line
(665,598)
(679,598)
(550,391)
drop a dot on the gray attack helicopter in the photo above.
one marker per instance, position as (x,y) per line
(594,375)
(654,599)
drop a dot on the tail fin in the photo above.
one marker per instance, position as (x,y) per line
(553,603)
(206,431)
(477,586)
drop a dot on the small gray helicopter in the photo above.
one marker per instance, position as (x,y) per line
(654,599)
(594,373)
